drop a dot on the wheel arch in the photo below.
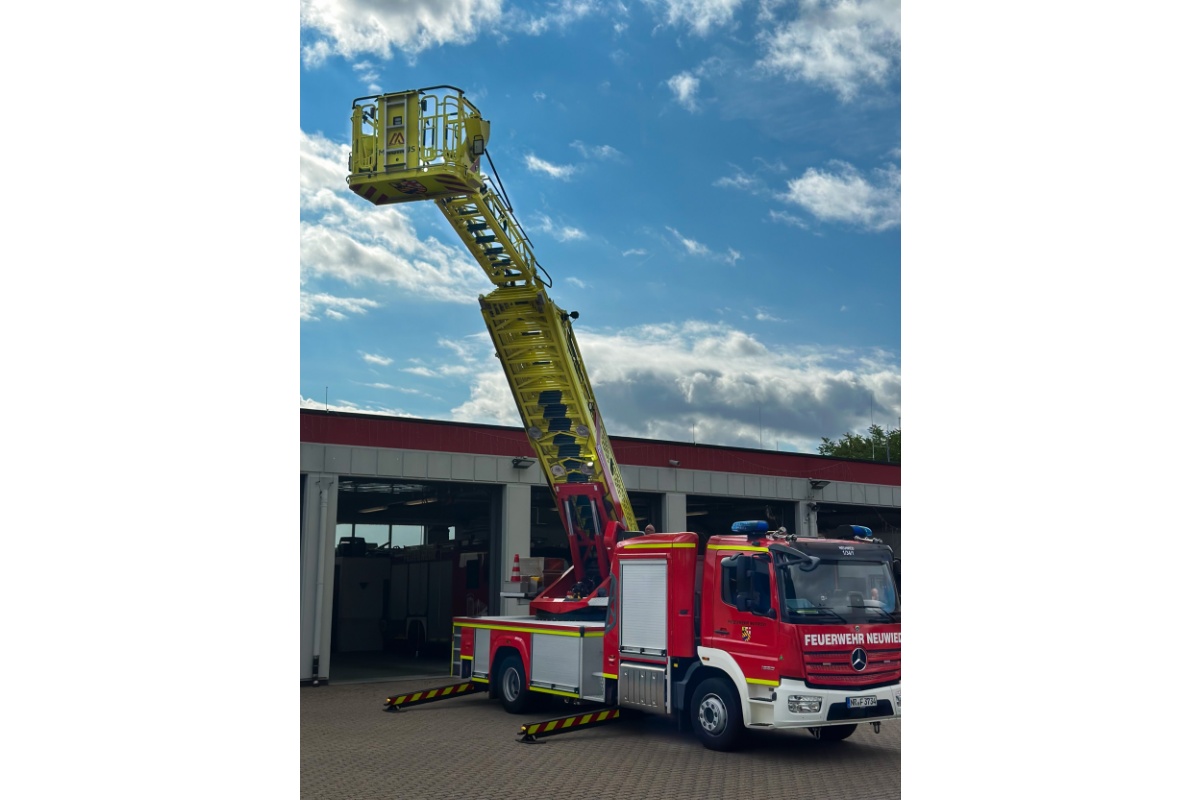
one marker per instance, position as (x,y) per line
(500,651)
(716,664)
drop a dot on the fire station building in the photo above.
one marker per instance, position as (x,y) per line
(405,523)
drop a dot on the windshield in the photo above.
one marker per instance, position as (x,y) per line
(838,591)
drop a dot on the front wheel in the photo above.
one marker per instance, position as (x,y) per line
(514,692)
(833,733)
(717,714)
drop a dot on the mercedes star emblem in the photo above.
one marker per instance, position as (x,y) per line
(858,659)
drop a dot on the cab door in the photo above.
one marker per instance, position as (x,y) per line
(746,616)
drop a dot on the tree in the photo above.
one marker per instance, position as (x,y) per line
(877,445)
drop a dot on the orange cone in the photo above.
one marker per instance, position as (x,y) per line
(516,570)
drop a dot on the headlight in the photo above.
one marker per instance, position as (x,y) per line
(804,703)
(897,699)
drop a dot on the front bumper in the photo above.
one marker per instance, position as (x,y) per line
(834,709)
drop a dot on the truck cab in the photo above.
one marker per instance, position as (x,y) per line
(806,630)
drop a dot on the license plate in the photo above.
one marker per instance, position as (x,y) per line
(861,702)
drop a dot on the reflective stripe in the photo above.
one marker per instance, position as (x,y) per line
(764,683)
(656,546)
(551,631)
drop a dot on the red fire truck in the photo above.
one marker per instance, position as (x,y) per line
(760,631)
(755,630)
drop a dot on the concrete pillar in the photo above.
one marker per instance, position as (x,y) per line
(515,511)
(806,520)
(318,543)
(674,512)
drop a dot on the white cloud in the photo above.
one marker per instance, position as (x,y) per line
(351,407)
(577,283)
(600,152)
(844,195)
(699,15)
(491,400)
(346,241)
(314,306)
(557,230)
(635,251)
(684,86)
(701,250)
(371,358)
(838,44)
(536,164)
(389,387)
(739,181)
(693,247)
(560,15)
(351,28)
(787,219)
(658,380)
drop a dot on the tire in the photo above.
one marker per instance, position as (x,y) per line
(717,715)
(833,733)
(514,691)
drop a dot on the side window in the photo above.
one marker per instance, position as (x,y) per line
(748,578)
(728,581)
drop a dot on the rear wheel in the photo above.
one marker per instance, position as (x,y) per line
(514,692)
(717,714)
(832,733)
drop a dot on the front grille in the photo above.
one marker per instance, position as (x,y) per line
(831,669)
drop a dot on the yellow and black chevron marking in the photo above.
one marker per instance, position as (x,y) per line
(429,695)
(530,732)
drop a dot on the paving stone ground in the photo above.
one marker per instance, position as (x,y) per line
(466,747)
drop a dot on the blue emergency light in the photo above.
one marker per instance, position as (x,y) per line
(750,526)
(861,530)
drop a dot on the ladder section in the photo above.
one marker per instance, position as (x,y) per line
(493,237)
(537,348)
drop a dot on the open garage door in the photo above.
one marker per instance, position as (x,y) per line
(409,557)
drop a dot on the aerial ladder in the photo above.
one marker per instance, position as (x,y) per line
(427,144)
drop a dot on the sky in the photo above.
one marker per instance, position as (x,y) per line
(714,185)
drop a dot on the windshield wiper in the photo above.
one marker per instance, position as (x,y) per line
(887,614)
(815,611)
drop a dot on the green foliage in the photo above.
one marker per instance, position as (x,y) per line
(877,445)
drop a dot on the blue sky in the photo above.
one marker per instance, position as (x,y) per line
(713,184)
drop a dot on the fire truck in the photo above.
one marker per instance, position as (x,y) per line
(756,630)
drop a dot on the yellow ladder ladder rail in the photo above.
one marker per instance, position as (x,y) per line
(426,144)
(499,245)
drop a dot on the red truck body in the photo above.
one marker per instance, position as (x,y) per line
(718,638)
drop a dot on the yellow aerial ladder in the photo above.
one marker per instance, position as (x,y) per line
(426,144)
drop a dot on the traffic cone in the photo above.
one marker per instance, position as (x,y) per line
(516,570)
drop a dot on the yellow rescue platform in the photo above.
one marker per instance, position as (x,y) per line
(416,145)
